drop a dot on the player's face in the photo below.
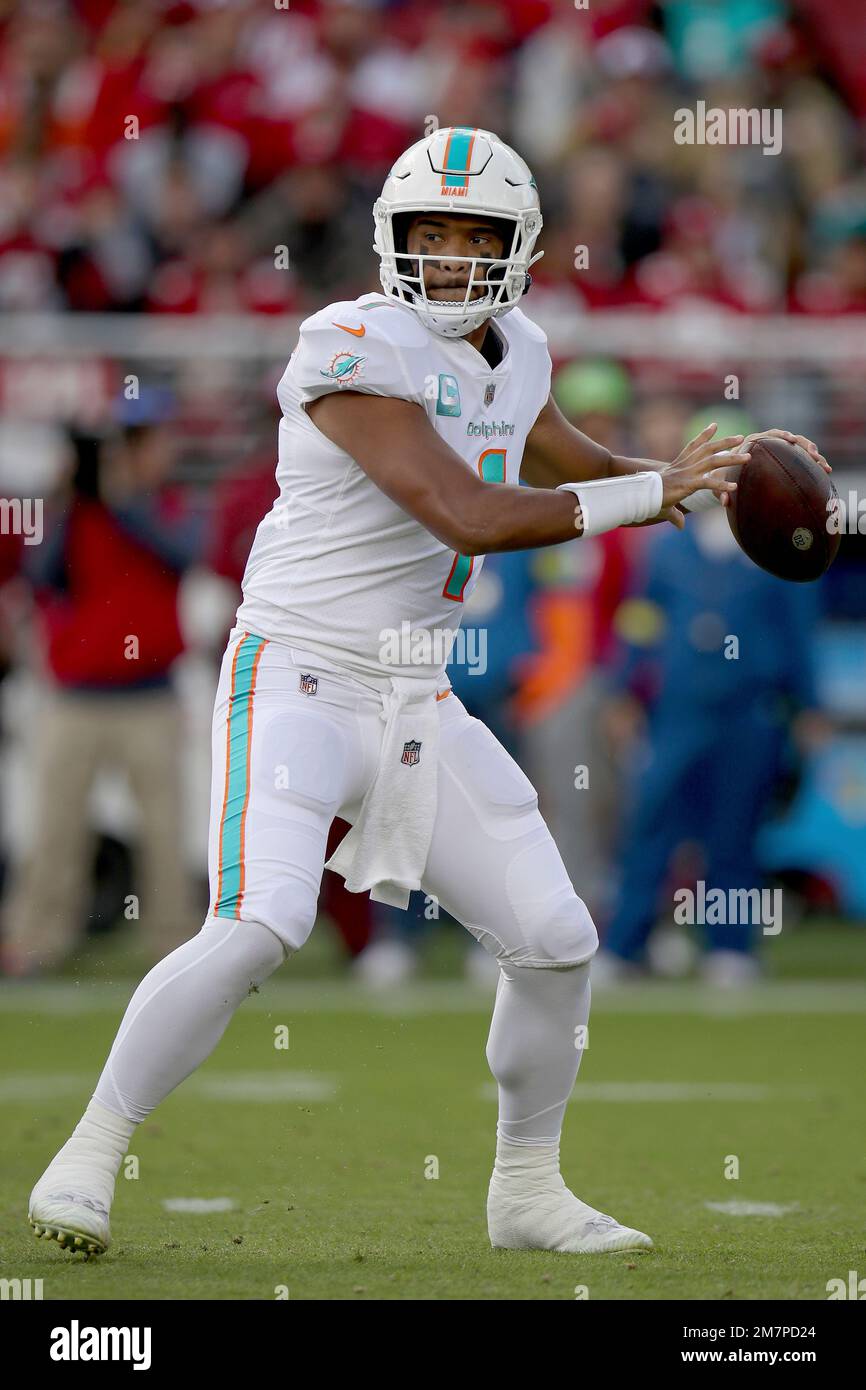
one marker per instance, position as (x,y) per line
(454,241)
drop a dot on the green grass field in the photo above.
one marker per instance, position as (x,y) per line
(322,1148)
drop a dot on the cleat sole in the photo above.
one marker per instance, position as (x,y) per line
(69,1240)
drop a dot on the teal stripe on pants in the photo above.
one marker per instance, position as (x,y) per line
(237,792)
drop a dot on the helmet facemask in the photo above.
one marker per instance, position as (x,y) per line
(494,286)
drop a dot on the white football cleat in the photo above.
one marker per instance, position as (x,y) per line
(60,1210)
(546,1215)
(71,1201)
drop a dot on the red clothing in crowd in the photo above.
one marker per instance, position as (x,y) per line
(116,589)
(11,547)
(241,502)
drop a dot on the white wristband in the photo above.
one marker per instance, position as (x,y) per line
(701,501)
(606,503)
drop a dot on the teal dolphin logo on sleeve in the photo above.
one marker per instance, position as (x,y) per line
(344,367)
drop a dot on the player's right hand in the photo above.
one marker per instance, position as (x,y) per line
(697,466)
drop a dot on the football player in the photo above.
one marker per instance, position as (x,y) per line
(409,420)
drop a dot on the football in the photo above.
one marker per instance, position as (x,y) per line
(781,512)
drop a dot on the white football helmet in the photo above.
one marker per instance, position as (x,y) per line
(459,170)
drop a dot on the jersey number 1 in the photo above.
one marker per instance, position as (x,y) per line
(491,466)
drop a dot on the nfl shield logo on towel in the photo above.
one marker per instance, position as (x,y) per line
(308,684)
(411,753)
(489,393)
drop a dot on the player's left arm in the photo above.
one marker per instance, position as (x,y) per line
(556,452)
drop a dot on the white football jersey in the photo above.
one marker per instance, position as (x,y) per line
(336,567)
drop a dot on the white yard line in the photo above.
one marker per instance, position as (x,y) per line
(663,1092)
(224,1086)
(63,997)
(28,1086)
(275,1086)
(265,1086)
(734,1208)
(199,1205)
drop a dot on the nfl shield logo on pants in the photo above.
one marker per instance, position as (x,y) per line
(411,753)
(308,684)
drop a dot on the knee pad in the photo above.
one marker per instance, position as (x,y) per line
(560,934)
(555,924)
(289,909)
(565,936)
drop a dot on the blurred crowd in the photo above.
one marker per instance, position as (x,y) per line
(153,156)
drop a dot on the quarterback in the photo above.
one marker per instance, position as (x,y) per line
(418,434)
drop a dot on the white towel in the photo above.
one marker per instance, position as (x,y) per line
(386,849)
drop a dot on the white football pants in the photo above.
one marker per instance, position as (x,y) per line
(296,744)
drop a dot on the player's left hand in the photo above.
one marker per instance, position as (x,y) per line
(807,445)
(675,515)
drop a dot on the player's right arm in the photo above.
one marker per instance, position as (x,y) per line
(398,448)
(396,445)
(362,373)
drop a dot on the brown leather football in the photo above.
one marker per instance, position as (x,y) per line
(781,510)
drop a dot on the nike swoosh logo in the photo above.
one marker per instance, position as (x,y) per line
(355,332)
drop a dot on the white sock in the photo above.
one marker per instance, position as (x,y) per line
(181,1010)
(538,1017)
(526,1163)
(93,1154)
